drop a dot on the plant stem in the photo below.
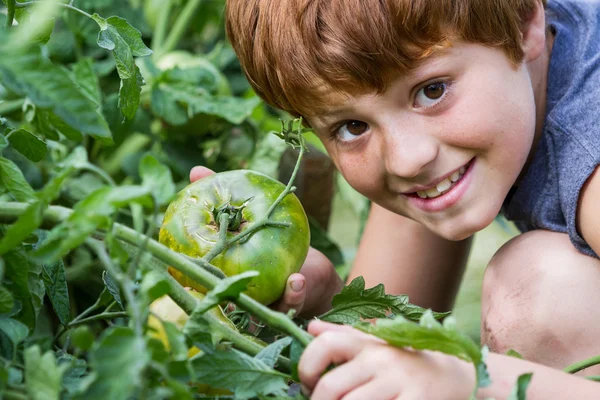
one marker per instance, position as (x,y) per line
(10,16)
(14,395)
(10,211)
(70,7)
(179,27)
(98,171)
(595,378)
(161,26)
(578,366)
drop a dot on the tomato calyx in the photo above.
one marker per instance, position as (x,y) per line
(235,216)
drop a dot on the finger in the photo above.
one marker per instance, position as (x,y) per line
(317,327)
(199,172)
(294,295)
(326,349)
(376,389)
(341,380)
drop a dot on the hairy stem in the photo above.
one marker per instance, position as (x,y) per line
(10,15)
(578,366)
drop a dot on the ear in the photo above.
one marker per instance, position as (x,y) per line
(534,34)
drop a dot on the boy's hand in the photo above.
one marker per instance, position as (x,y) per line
(371,369)
(310,291)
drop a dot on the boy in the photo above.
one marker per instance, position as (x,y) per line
(444,112)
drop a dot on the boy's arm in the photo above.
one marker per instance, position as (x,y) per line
(409,259)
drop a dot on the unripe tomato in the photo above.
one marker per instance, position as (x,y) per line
(190,227)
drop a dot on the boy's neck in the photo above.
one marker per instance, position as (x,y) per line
(538,70)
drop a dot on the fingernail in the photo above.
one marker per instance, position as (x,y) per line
(297,285)
(305,390)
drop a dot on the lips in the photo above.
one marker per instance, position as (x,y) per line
(440,185)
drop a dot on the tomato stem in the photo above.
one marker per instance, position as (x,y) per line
(10,7)
(578,366)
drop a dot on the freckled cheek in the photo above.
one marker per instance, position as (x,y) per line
(361,173)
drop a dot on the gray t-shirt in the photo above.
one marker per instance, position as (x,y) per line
(569,149)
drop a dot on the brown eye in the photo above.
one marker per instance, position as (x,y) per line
(357,127)
(434,91)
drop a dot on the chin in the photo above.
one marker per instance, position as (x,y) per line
(469,225)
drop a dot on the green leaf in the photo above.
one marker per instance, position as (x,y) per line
(18,269)
(125,42)
(50,87)
(519,391)
(28,144)
(6,300)
(35,26)
(196,100)
(157,177)
(113,288)
(176,338)
(354,303)
(15,331)
(428,334)
(55,282)
(87,79)
(514,353)
(238,372)
(42,375)
(129,94)
(118,361)
(269,354)
(13,179)
(227,289)
(28,222)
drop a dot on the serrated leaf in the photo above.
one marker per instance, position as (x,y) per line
(125,42)
(428,334)
(354,303)
(519,391)
(56,289)
(113,288)
(117,361)
(28,74)
(227,289)
(13,179)
(42,375)
(238,372)
(28,144)
(269,354)
(129,93)
(157,177)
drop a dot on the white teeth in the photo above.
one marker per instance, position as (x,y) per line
(454,177)
(422,195)
(462,170)
(443,185)
(433,192)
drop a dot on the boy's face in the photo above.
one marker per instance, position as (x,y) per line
(442,146)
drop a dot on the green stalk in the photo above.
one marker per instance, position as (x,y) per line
(10,211)
(10,16)
(161,25)
(578,366)
(179,27)
(70,7)
(9,106)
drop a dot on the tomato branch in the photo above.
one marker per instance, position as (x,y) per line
(578,366)
(10,211)
(70,7)
(182,22)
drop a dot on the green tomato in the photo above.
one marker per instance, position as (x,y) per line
(189,227)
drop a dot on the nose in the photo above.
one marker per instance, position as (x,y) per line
(408,155)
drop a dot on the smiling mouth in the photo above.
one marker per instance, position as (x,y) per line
(444,186)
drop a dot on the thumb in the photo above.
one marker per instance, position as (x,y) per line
(199,172)
(294,295)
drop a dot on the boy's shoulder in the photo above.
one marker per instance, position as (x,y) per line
(569,149)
